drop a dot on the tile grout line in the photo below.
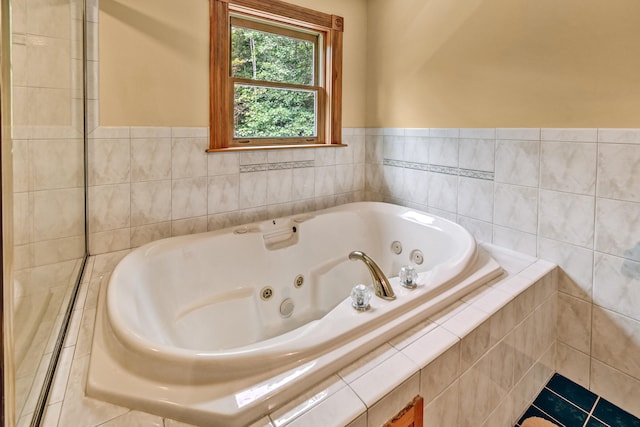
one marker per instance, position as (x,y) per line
(593,408)
(593,260)
(567,400)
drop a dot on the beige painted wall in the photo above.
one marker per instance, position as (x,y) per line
(503,63)
(154,61)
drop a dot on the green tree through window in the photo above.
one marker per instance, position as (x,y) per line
(263,111)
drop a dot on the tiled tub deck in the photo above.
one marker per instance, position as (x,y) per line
(481,362)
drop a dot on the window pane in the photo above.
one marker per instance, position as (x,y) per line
(271,57)
(266,112)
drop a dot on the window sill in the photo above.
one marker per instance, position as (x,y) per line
(273,147)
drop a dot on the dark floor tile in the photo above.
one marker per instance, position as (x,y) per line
(573,392)
(594,423)
(535,412)
(563,411)
(614,416)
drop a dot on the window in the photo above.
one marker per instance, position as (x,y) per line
(276,76)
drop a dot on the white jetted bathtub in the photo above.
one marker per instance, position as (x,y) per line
(220,328)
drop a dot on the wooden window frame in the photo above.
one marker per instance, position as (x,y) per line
(329,87)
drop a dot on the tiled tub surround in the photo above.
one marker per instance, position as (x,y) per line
(566,195)
(482,361)
(176,345)
(570,196)
(150,183)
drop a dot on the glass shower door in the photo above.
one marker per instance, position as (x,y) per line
(48,183)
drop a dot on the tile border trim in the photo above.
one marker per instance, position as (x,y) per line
(446,170)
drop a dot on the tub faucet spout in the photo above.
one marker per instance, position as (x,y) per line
(381,284)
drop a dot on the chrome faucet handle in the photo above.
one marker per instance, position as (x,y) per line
(408,277)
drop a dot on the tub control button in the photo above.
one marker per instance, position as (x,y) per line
(286,307)
(266,293)
(417,257)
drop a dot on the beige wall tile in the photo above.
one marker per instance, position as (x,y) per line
(617,171)
(47,53)
(279,186)
(478,154)
(502,416)
(150,202)
(567,217)
(573,364)
(443,410)
(188,197)
(475,198)
(325,181)
(58,213)
(518,162)
(49,19)
(188,157)
(150,159)
(53,251)
(56,164)
(109,161)
(253,191)
(516,207)
(570,134)
(443,151)
(616,284)
(523,346)
(492,378)
(616,341)
(443,192)
(109,241)
(440,373)
(611,237)
(576,266)
(21,165)
(361,421)
(223,192)
(189,226)
(574,322)
(516,240)
(149,233)
(545,317)
(615,386)
(568,166)
(109,207)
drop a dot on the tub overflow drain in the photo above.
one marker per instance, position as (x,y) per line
(266,293)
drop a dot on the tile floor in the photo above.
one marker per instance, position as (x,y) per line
(568,404)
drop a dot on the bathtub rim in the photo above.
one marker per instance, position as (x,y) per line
(151,355)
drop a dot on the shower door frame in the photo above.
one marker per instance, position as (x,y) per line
(7,412)
(62,333)
(7,395)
